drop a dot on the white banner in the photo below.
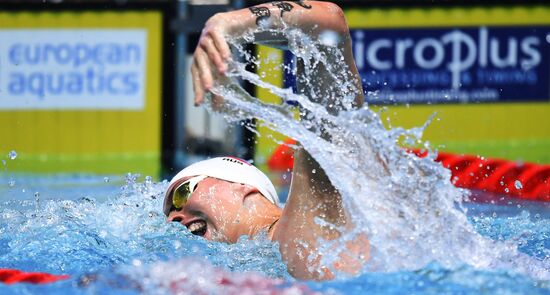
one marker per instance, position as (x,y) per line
(72,69)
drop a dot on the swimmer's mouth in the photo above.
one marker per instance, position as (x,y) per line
(197,227)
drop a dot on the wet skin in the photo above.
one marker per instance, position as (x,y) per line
(312,195)
(223,211)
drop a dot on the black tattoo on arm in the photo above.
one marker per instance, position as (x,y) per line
(301,3)
(261,13)
(283,6)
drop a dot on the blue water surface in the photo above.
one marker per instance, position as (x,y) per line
(110,236)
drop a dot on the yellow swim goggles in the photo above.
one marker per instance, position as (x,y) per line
(183,192)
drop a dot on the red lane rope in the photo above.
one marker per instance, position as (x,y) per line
(520,180)
(282,159)
(13,276)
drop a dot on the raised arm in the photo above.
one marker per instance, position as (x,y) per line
(263,22)
(314,209)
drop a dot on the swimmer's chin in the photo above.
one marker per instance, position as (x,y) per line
(214,236)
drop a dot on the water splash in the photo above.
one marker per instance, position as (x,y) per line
(518,185)
(191,276)
(125,239)
(12,155)
(86,238)
(406,205)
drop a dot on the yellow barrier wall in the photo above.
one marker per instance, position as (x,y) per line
(270,60)
(88,140)
(516,130)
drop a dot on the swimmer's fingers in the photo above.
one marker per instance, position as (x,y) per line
(217,28)
(197,87)
(207,45)
(203,79)
(216,56)
(203,66)
(221,44)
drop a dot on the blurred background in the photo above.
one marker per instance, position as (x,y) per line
(103,87)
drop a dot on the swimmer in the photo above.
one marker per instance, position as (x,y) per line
(225,198)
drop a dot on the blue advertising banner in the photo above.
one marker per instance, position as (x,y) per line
(72,69)
(484,70)
(451,65)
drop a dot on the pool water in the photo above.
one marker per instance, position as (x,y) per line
(114,239)
(424,238)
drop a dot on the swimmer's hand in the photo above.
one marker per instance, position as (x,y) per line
(210,57)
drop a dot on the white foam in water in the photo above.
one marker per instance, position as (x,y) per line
(406,205)
(192,276)
(107,246)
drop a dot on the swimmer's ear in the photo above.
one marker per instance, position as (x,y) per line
(249,192)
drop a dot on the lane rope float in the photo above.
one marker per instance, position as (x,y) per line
(14,276)
(527,181)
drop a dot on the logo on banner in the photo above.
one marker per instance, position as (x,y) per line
(72,69)
(482,64)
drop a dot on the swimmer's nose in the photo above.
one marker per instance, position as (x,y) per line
(176,219)
(175,216)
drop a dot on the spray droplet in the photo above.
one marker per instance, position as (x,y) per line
(518,185)
(131,178)
(313,171)
(329,38)
(106,179)
(4,162)
(12,155)
(11,183)
(506,190)
(37,200)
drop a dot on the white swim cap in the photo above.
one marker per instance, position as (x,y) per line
(226,168)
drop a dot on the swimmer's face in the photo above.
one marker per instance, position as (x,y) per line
(220,210)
